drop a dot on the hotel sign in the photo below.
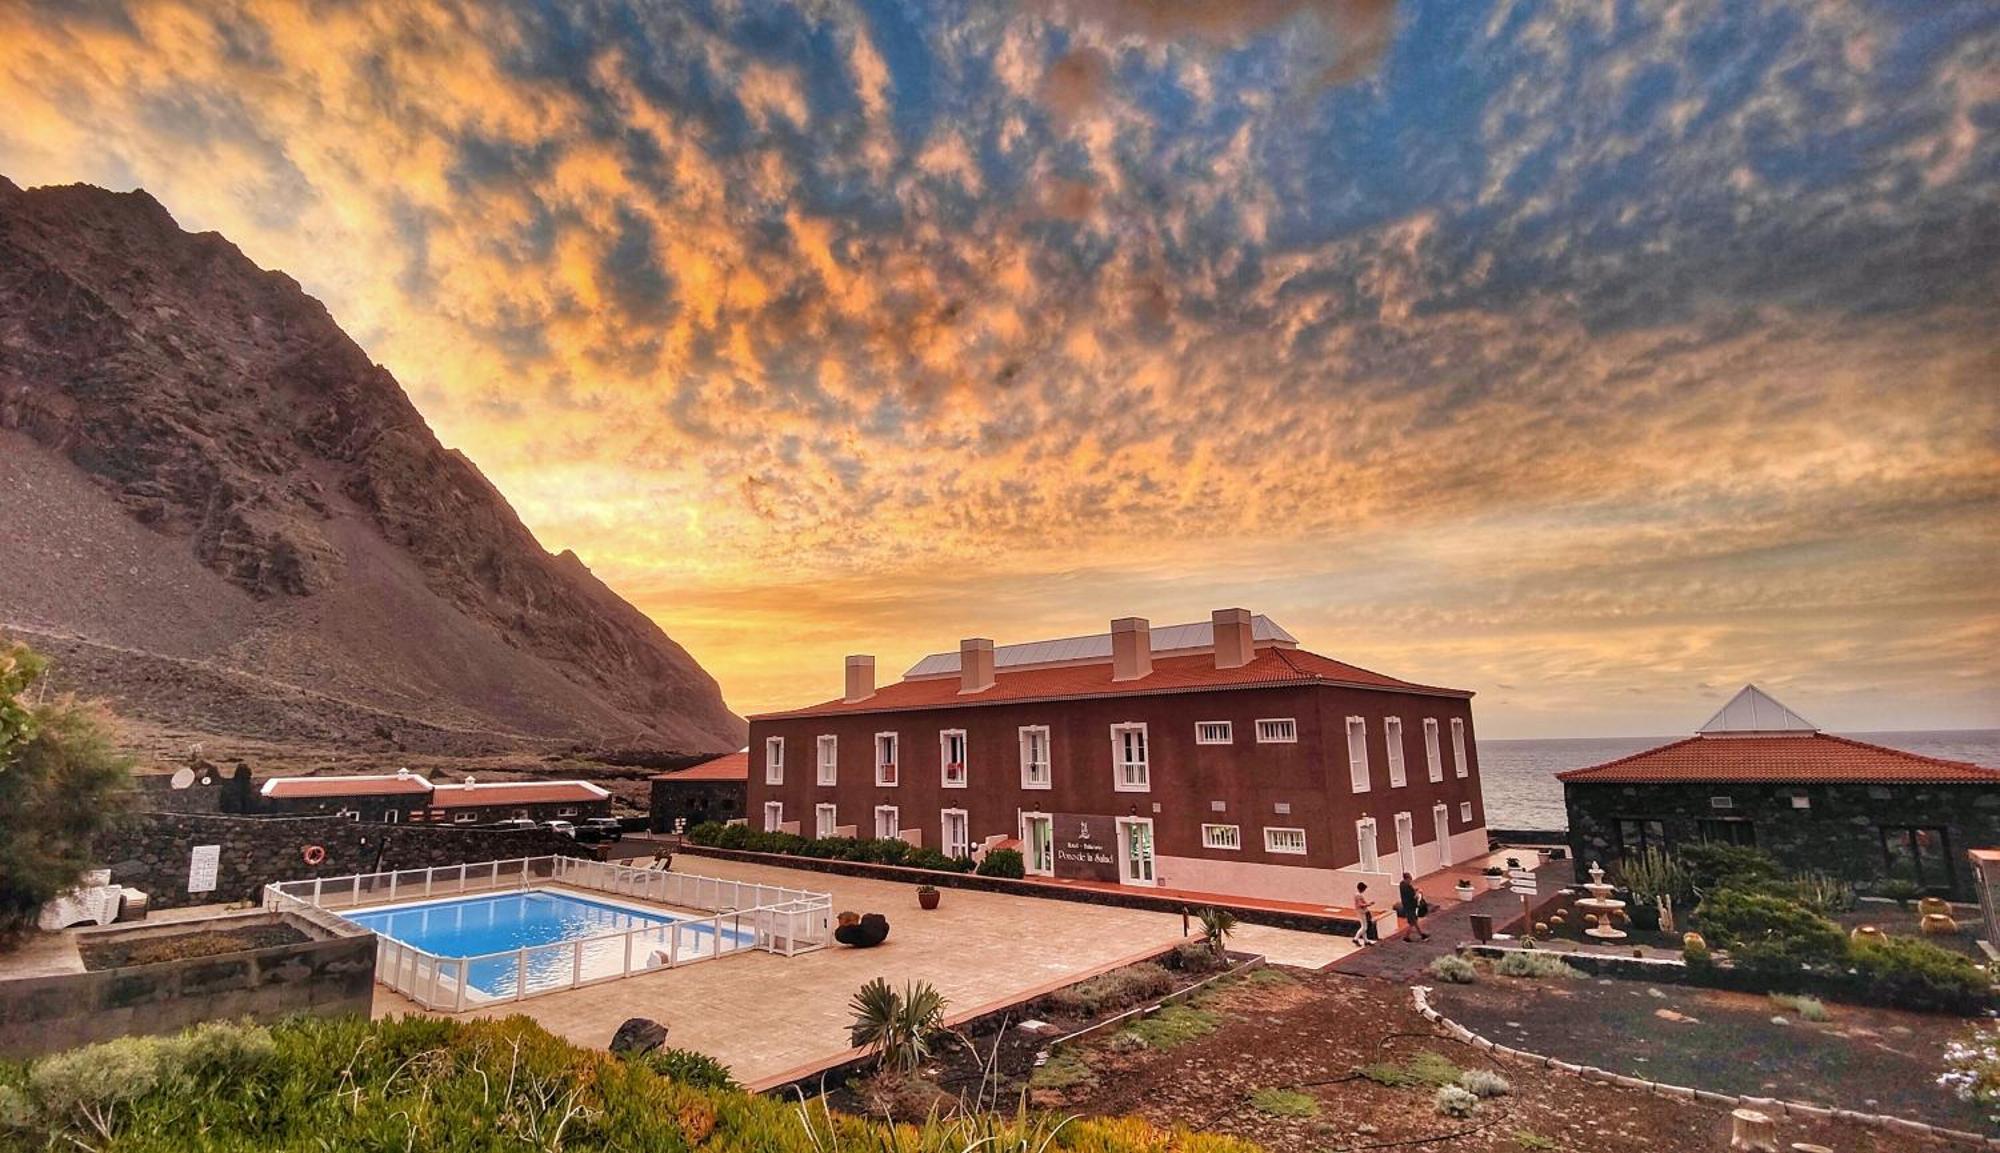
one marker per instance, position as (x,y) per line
(203,865)
(1085,847)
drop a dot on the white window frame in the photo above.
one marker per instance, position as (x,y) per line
(1367,845)
(1392,740)
(895,774)
(944,832)
(470,816)
(1458,765)
(945,762)
(895,822)
(1028,843)
(774,816)
(1031,778)
(1225,736)
(774,760)
(828,747)
(1357,765)
(1286,849)
(1122,779)
(826,818)
(1465,811)
(1224,838)
(1270,736)
(1433,759)
(566,811)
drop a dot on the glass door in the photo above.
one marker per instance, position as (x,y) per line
(1135,857)
(1406,849)
(1038,837)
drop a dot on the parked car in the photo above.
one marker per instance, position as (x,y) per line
(514,823)
(605,828)
(564,827)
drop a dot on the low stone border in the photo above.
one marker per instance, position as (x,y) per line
(1421,996)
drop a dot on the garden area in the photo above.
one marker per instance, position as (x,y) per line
(864,850)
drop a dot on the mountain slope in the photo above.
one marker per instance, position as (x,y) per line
(211,483)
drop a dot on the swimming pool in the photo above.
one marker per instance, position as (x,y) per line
(518,943)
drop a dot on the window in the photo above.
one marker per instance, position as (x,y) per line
(951,754)
(829,760)
(1035,757)
(885,760)
(825,819)
(1637,834)
(465,818)
(1392,736)
(887,825)
(1278,731)
(774,760)
(567,811)
(774,816)
(1458,766)
(1212,733)
(1730,832)
(1357,753)
(1433,760)
(1291,841)
(1465,811)
(955,841)
(1922,855)
(1131,773)
(1722,802)
(1221,837)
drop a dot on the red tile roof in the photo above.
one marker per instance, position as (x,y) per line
(515,793)
(1271,667)
(728,767)
(1810,759)
(361,786)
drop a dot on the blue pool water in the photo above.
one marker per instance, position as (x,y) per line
(544,923)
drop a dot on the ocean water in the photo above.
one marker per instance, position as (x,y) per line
(1519,777)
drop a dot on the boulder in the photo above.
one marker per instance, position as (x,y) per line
(637,1037)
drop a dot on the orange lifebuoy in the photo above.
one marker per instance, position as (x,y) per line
(314,854)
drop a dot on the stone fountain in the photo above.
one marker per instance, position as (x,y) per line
(1601,903)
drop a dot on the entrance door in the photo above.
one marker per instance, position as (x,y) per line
(1370,859)
(1038,838)
(1441,817)
(1406,849)
(957,843)
(1135,851)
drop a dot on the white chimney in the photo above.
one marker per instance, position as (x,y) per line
(860,678)
(1234,645)
(975,665)
(1131,649)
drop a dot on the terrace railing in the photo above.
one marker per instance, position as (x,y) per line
(746,915)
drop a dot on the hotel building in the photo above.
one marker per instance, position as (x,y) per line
(1214,757)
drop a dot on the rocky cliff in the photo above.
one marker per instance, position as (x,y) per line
(228,518)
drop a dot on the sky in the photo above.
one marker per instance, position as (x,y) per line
(1597,357)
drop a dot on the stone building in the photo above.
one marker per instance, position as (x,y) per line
(1759,774)
(711,791)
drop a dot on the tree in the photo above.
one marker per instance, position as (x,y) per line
(62,785)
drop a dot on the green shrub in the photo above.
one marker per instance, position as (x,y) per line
(1655,873)
(1197,957)
(1003,863)
(892,851)
(707,833)
(1803,1007)
(732,836)
(1823,893)
(687,1067)
(1114,991)
(1901,890)
(1914,974)
(1454,969)
(1484,1083)
(1284,1103)
(1712,865)
(900,1028)
(1534,966)
(1426,1068)
(96,1085)
(1769,934)
(1452,1101)
(1066,1069)
(1174,1025)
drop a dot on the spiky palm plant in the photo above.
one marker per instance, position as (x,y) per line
(1216,926)
(899,1027)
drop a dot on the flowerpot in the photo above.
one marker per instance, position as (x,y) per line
(1464,889)
(1496,882)
(928,900)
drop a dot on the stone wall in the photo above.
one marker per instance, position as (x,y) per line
(152,852)
(213,790)
(326,976)
(695,802)
(1838,829)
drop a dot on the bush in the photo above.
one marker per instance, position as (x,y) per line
(1197,957)
(96,1085)
(707,833)
(1901,890)
(1913,974)
(1484,1083)
(687,1067)
(1003,863)
(1284,1103)
(1426,1068)
(1535,966)
(1823,893)
(1452,1101)
(1803,1007)
(1769,934)
(1114,991)
(1655,873)
(1712,865)
(1454,969)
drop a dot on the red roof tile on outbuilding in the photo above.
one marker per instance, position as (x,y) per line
(515,793)
(1809,759)
(1270,667)
(355,786)
(728,767)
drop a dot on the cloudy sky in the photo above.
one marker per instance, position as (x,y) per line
(1598,357)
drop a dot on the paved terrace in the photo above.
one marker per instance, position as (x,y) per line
(771,1018)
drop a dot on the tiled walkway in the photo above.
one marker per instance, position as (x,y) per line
(1400,959)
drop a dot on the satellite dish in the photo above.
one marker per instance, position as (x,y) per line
(182,778)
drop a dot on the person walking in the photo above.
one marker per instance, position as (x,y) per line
(1413,907)
(1364,936)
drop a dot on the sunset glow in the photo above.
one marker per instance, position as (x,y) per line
(1596,358)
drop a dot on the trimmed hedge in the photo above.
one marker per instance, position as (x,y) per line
(866,850)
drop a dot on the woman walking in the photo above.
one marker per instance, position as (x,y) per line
(1364,935)
(1413,908)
